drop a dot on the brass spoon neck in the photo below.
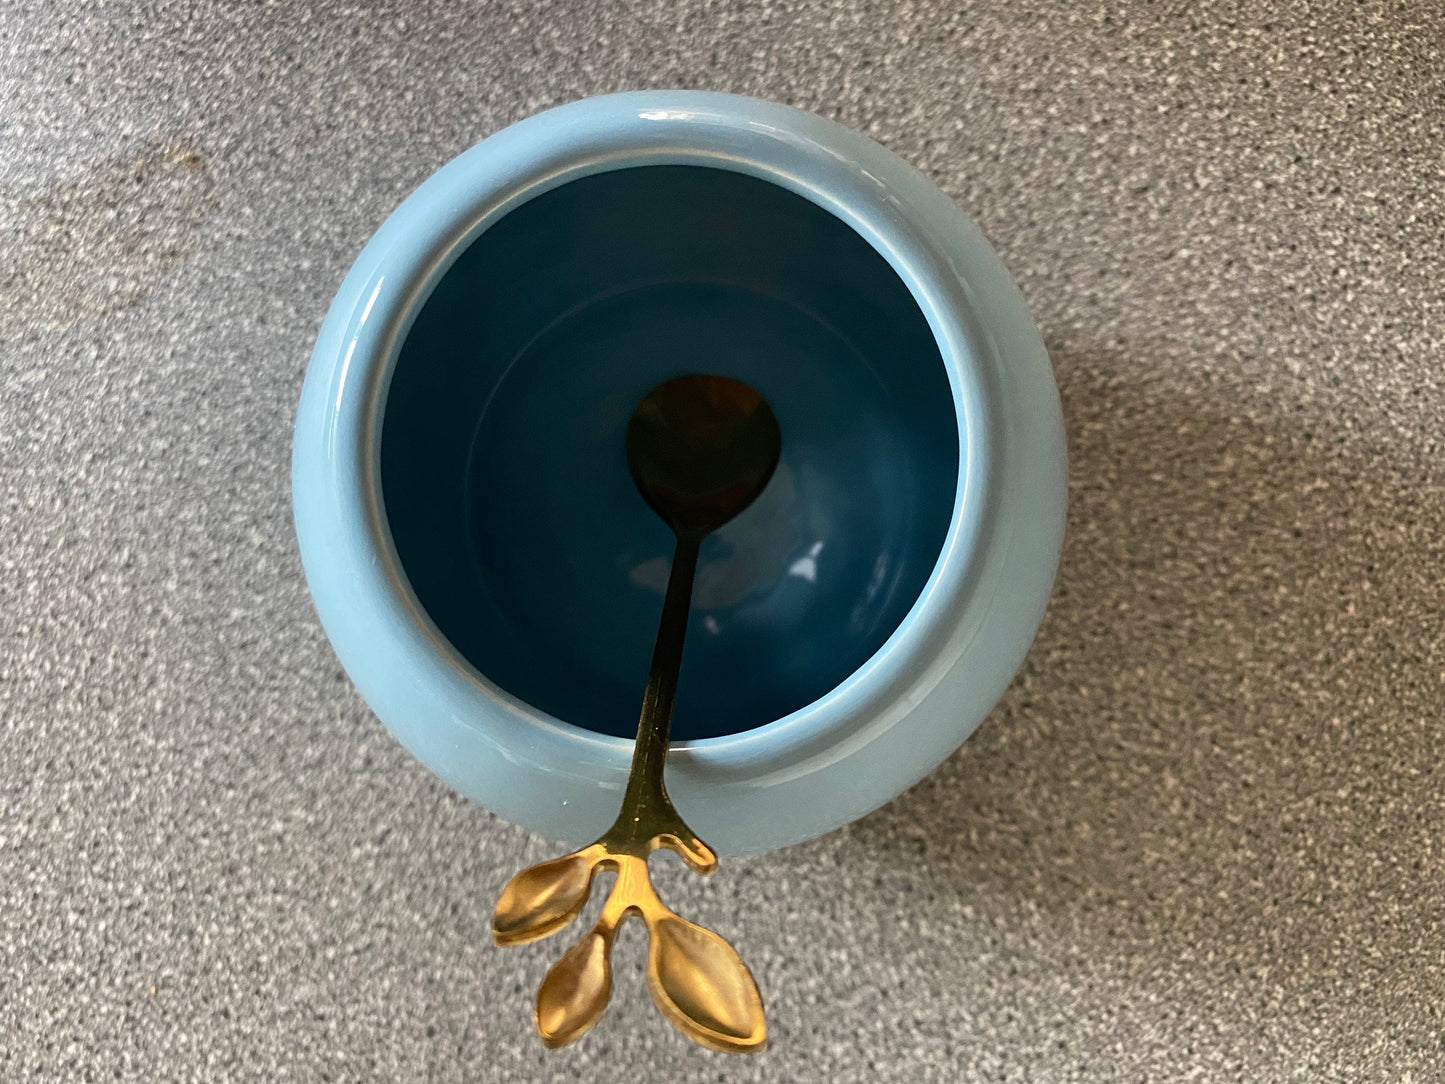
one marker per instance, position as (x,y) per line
(646,809)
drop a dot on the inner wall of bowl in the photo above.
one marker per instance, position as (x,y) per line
(503,458)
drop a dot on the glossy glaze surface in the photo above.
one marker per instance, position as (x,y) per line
(504,472)
(892,719)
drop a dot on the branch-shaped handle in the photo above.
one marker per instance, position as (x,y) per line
(696,978)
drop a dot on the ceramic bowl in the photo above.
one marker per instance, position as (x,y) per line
(490,577)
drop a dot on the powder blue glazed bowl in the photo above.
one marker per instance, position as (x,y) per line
(489,576)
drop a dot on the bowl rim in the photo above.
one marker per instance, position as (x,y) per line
(350,561)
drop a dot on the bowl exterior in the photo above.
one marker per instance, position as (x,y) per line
(893,720)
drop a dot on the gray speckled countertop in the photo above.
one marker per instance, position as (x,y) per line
(1203,836)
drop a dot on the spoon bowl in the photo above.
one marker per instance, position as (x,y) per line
(701,449)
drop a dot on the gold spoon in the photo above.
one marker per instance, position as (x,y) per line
(701,449)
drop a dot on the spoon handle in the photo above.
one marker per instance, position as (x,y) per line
(647,811)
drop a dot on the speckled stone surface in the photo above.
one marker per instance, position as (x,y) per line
(1203,836)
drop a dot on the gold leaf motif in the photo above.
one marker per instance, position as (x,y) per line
(542,899)
(575,991)
(703,986)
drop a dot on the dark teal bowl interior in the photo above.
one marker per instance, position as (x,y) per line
(504,469)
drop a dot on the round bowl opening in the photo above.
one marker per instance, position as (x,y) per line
(503,461)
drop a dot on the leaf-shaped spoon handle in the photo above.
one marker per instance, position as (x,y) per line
(575,992)
(542,899)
